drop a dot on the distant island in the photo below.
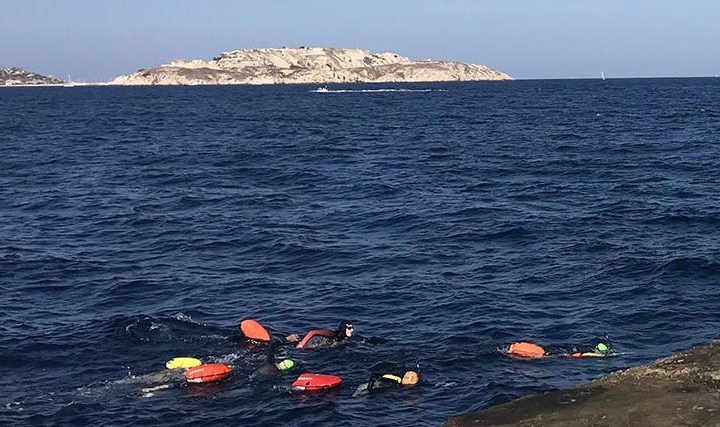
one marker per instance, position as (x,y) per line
(13,76)
(307,65)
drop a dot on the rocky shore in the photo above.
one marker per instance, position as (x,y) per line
(307,65)
(683,389)
(13,76)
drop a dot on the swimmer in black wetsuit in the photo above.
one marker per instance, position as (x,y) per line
(527,350)
(380,382)
(270,367)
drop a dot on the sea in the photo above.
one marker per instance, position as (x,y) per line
(445,220)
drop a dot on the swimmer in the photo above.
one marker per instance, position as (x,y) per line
(390,381)
(270,367)
(324,338)
(527,350)
(155,381)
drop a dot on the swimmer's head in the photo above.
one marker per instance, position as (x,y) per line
(346,329)
(602,348)
(410,378)
(285,365)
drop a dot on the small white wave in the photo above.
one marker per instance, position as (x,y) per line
(14,406)
(185,318)
(228,359)
(376,90)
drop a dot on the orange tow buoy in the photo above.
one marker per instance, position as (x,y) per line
(254,330)
(526,350)
(207,373)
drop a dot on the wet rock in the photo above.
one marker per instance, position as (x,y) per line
(683,389)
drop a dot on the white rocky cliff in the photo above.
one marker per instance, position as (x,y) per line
(307,65)
(13,76)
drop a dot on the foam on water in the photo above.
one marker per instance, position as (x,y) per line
(375,90)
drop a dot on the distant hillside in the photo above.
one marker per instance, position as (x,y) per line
(13,76)
(307,65)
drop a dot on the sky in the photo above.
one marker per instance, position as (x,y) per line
(96,40)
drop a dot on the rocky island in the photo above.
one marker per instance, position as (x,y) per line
(13,76)
(307,65)
(683,389)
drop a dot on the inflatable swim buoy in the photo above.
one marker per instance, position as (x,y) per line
(315,382)
(325,333)
(182,363)
(207,373)
(254,330)
(526,350)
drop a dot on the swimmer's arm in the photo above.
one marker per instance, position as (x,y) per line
(592,354)
(373,381)
(381,379)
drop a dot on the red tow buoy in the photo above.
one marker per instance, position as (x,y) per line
(207,373)
(315,382)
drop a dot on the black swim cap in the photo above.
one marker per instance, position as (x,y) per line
(345,325)
(341,333)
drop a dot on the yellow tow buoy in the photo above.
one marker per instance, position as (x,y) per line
(183,363)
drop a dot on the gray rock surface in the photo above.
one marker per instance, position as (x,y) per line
(683,389)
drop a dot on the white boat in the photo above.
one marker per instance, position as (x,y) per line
(69,83)
(602,75)
(322,89)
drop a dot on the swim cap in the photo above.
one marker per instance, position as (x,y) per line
(602,347)
(346,329)
(410,378)
(285,365)
(345,324)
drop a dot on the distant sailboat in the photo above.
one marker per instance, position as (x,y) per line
(69,83)
(602,75)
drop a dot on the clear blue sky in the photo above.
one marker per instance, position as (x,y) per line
(100,39)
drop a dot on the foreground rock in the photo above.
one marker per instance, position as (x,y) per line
(13,76)
(307,65)
(683,389)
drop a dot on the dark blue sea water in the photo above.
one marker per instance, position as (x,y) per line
(139,224)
